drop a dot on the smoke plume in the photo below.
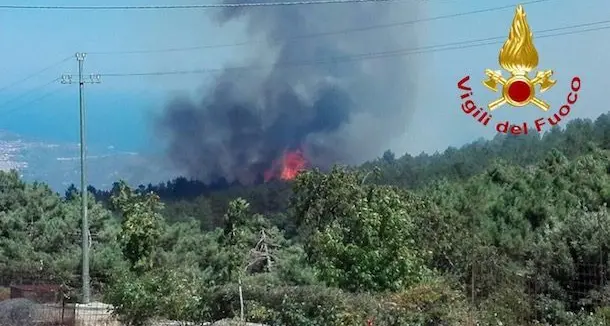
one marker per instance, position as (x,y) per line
(308,89)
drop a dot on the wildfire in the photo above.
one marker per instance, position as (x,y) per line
(287,167)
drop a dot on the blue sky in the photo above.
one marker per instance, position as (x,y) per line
(35,39)
(120,109)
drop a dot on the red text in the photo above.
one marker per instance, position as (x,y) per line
(564,110)
(468,106)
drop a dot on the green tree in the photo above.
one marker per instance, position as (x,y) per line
(141,227)
(359,237)
(234,239)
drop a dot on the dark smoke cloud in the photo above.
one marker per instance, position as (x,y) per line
(312,93)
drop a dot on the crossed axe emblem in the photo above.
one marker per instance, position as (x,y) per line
(543,78)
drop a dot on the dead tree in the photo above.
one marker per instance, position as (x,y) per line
(261,259)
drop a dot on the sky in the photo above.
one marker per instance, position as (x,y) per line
(121,110)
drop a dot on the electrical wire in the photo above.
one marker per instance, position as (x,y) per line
(200,6)
(28,92)
(347,58)
(329,33)
(35,74)
(375,55)
(404,23)
(43,96)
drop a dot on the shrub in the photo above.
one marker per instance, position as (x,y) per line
(179,295)
(296,306)
(134,298)
(429,304)
(167,293)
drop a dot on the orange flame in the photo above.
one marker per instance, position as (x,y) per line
(287,167)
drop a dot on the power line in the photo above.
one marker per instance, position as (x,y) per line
(34,74)
(329,33)
(43,96)
(201,6)
(376,55)
(356,57)
(28,92)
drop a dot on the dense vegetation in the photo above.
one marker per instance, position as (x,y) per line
(512,231)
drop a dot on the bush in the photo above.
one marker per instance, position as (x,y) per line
(179,295)
(169,294)
(297,306)
(134,298)
(429,304)
(509,304)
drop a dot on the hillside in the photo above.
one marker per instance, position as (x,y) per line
(186,197)
(512,231)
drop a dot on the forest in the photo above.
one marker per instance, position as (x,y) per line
(507,231)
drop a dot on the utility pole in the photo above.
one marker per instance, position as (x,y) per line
(94,79)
